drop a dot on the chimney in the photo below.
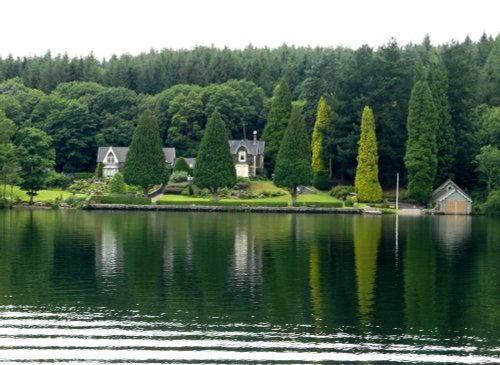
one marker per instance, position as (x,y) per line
(254,137)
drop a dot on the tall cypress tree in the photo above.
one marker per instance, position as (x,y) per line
(421,149)
(293,163)
(145,164)
(277,121)
(445,133)
(214,167)
(366,183)
(323,115)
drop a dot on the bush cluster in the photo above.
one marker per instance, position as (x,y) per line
(341,191)
(121,199)
(58,180)
(492,205)
(319,204)
(178,176)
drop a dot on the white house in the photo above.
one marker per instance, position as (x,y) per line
(113,159)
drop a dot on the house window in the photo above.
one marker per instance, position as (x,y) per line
(110,158)
(242,156)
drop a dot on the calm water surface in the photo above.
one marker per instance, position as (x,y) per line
(161,287)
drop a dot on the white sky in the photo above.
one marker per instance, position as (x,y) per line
(106,27)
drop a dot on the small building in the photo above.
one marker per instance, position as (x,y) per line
(113,159)
(248,156)
(450,199)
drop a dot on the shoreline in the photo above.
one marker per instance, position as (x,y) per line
(215,208)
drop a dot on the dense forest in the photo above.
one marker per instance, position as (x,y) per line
(83,103)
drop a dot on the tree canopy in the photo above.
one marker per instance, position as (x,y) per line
(145,164)
(293,163)
(214,167)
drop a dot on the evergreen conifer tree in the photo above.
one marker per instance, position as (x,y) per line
(421,149)
(366,183)
(490,78)
(445,133)
(293,163)
(323,115)
(276,125)
(214,167)
(145,164)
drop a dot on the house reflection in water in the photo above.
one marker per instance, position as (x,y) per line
(453,232)
(247,258)
(108,254)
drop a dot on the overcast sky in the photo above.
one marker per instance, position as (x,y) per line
(106,27)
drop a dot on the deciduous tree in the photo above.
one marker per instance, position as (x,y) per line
(36,158)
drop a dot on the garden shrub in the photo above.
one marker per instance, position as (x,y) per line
(83,175)
(319,204)
(121,199)
(341,191)
(181,165)
(178,176)
(116,184)
(58,180)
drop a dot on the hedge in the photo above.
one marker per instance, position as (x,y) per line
(319,204)
(232,203)
(83,175)
(121,199)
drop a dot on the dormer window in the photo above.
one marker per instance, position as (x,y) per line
(110,158)
(242,156)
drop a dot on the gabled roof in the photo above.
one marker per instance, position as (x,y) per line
(121,153)
(256,148)
(448,188)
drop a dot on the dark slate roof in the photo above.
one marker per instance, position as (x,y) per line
(256,148)
(121,153)
(442,191)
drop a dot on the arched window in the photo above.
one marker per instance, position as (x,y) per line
(110,158)
(242,156)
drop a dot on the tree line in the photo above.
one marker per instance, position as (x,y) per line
(82,103)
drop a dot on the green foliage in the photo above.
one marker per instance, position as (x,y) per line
(58,180)
(277,122)
(98,170)
(341,191)
(121,199)
(421,150)
(321,181)
(492,205)
(490,76)
(178,176)
(445,133)
(293,163)
(489,166)
(214,167)
(323,116)
(116,184)
(181,165)
(7,128)
(83,175)
(36,158)
(319,204)
(366,184)
(145,164)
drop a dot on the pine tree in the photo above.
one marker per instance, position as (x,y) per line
(366,183)
(214,167)
(276,125)
(490,78)
(293,163)
(145,164)
(421,149)
(445,133)
(323,115)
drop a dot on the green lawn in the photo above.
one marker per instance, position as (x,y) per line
(43,195)
(257,187)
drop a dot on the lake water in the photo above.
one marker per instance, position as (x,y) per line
(165,287)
